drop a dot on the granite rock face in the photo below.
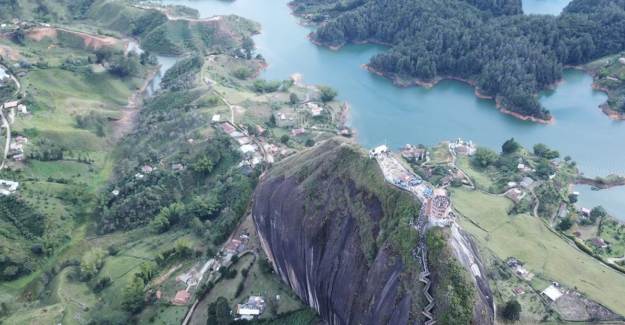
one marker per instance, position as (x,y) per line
(341,238)
(312,221)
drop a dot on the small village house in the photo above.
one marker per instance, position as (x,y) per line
(298,131)
(552,293)
(413,153)
(8,187)
(251,309)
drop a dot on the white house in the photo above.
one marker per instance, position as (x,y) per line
(379,150)
(8,187)
(254,306)
(552,293)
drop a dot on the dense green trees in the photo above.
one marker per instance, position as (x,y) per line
(91,263)
(183,74)
(133,295)
(565,224)
(541,150)
(544,169)
(162,132)
(327,94)
(510,57)
(485,157)
(510,146)
(452,289)
(512,310)
(597,213)
(219,312)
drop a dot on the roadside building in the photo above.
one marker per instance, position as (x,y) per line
(236,134)
(12,104)
(243,140)
(15,148)
(346,132)
(247,148)
(182,297)
(598,242)
(8,187)
(232,247)
(526,182)
(21,140)
(552,293)
(413,153)
(227,127)
(463,148)
(216,118)
(439,206)
(257,159)
(251,309)
(21,108)
(378,151)
(285,119)
(515,195)
(315,109)
(298,132)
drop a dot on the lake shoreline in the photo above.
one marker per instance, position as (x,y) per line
(601,183)
(605,107)
(431,83)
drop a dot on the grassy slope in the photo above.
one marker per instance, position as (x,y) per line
(56,97)
(544,253)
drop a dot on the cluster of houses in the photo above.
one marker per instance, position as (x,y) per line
(191,278)
(148,169)
(250,150)
(15,106)
(314,108)
(438,207)
(516,191)
(14,24)
(553,292)
(518,269)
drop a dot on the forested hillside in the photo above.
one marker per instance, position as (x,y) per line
(507,56)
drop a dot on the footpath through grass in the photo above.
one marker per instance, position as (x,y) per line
(545,254)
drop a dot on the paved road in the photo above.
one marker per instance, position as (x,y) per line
(5,124)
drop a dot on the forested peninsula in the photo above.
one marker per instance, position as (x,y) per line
(490,44)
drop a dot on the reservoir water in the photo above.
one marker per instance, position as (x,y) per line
(548,7)
(383,113)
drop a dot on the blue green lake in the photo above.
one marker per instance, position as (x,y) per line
(548,7)
(383,113)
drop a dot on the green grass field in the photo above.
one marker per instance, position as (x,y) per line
(481,179)
(545,253)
